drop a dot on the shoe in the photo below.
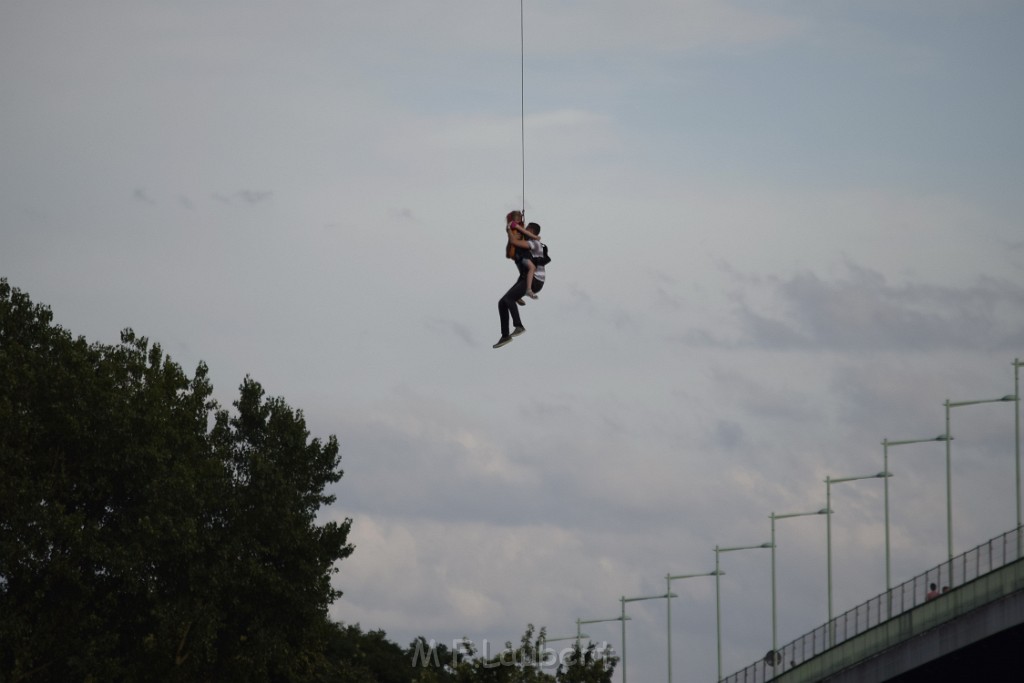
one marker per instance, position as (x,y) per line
(518,331)
(531,295)
(502,342)
(520,302)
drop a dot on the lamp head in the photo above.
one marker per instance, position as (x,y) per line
(957,404)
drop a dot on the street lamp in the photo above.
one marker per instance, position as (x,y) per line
(623,619)
(828,533)
(543,641)
(774,517)
(624,600)
(949,480)
(1016,442)
(718,601)
(669,578)
(885,468)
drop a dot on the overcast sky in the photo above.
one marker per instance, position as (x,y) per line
(781,232)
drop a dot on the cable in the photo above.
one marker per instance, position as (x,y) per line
(522,101)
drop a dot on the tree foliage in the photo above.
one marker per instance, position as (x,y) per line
(529,662)
(590,665)
(146,533)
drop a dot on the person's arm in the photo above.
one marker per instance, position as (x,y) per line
(520,228)
(516,241)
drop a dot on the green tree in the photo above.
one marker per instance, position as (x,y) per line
(277,562)
(521,664)
(368,657)
(435,662)
(593,665)
(145,533)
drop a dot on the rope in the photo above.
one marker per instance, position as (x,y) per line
(522,101)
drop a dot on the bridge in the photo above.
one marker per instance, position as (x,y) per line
(962,620)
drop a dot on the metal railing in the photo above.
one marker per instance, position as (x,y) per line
(978,561)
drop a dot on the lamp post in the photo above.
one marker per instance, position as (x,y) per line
(718,600)
(1016,443)
(774,517)
(885,468)
(828,534)
(949,479)
(669,578)
(624,600)
(623,619)
(544,641)
(580,622)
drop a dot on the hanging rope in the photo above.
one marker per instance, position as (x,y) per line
(522,101)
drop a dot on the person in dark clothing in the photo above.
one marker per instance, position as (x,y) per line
(507,306)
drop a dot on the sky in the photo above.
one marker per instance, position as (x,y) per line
(780,233)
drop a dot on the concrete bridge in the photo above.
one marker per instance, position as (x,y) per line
(974,631)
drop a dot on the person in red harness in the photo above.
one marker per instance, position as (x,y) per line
(534,251)
(514,220)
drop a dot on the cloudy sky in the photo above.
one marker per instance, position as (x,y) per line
(781,232)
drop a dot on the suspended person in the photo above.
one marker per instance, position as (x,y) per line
(514,220)
(507,304)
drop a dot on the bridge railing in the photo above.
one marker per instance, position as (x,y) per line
(951,574)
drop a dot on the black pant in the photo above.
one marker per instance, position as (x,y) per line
(507,304)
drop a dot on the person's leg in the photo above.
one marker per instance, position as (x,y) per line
(514,310)
(503,314)
(507,306)
(521,266)
(517,291)
(531,267)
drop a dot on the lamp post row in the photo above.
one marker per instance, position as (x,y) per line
(885,474)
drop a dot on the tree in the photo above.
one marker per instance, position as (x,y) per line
(522,664)
(591,666)
(145,533)
(277,561)
(434,662)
